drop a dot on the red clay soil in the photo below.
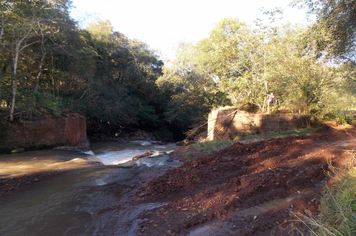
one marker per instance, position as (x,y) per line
(251,189)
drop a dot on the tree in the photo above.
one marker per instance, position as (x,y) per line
(25,17)
(52,32)
(22,34)
(4,6)
(190,93)
(295,78)
(100,30)
(47,60)
(335,25)
(119,89)
(247,64)
(233,57)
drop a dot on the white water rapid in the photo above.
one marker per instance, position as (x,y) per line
(85,201)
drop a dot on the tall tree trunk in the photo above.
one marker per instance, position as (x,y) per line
(1,76)
(40,69)
(2,23)
(18,49)
(15,82)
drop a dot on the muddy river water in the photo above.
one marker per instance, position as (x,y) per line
(87,201)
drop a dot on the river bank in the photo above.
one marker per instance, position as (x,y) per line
(245,189)
(77,198)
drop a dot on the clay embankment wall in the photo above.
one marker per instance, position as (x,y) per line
(227,123)
(48,130)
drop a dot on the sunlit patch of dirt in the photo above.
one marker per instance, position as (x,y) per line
(251,189)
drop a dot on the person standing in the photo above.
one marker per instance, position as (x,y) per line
(271,99)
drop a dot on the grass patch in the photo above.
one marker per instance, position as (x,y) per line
(293,133)
(337,210)
(210,146)
(273,135)
(188,156)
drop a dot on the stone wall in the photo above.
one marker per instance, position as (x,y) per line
(227,123)
(49,130)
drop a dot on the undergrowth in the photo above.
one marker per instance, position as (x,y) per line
(343,117)
(293,133)
(337,210)
(210,146)
(280,134)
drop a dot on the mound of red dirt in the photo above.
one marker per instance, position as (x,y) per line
(251,189)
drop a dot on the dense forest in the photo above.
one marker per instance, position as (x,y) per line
(48,64)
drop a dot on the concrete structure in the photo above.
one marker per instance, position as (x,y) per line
(49,130)
(227,123)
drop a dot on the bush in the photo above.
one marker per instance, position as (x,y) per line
(39,103)
(337,207)
(342,117)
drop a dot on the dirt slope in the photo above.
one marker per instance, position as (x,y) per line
(252,189)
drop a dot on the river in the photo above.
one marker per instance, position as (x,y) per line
(88,201)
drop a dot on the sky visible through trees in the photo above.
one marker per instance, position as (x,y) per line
(164,24)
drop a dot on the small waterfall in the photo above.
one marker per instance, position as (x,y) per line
(86,201)
(113,153)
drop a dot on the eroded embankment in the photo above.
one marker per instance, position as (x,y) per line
(221,185)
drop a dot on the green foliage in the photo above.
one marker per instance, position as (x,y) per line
(122,83)
(233,57)
(335,24)
(302,132)
(126,92)
(97,71)
(341,116)
(243,65)
(101,30)
(39,103)
(210,146)
(293,133)
(337,210)
(190,95)
(301,82)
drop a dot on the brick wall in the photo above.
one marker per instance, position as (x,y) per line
(48,130)
(76,128)
(227,123)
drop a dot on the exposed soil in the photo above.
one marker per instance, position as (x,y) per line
(251,189)
(246,189)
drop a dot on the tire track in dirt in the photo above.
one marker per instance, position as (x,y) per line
(241,177)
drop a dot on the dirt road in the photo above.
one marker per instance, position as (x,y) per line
(252,189)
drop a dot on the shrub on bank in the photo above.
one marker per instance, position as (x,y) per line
(337,210)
